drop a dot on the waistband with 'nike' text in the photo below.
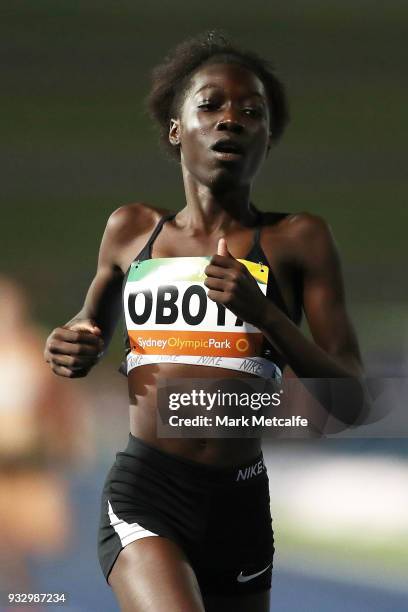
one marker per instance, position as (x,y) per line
(187,470)
(258,366)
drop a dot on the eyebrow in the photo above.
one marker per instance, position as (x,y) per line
(216,85)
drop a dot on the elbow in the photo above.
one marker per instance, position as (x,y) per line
(349,401)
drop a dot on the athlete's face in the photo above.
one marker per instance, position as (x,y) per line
(223,125)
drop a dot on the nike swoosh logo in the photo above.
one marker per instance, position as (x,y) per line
(242,578)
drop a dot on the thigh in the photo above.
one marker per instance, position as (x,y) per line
(153,575)
(255,602)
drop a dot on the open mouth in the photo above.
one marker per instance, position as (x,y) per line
(228,149)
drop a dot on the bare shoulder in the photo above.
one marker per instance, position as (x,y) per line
(304,225)
(315,245)
(306,237)
(132,220)
(125,232)
(308,226)
(312,231)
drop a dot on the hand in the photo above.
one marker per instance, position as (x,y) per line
(231,284)
(73,349)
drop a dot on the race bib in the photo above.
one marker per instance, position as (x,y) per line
(168,312)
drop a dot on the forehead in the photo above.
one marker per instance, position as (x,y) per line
(226,76)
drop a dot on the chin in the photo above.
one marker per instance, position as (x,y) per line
(227,177)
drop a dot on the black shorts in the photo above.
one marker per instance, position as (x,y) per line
(219,517)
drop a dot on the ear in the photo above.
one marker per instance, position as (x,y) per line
(174,132)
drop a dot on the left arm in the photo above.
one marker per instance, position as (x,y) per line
(335,352)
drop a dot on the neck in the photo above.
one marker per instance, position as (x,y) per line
(210,209)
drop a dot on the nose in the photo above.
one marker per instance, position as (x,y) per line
(229,122)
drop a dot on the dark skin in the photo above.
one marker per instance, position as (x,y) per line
(223,101)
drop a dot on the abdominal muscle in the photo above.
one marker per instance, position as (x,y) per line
(143,383)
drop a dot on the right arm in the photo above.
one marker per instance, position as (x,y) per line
(72,349)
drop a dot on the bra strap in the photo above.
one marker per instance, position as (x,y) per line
(257,236)
(157,230)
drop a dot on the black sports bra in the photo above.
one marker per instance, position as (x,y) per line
(268,364)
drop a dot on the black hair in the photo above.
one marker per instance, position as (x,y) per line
(171,78)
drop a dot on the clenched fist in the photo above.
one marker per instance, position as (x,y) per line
(231,284)
(73,349)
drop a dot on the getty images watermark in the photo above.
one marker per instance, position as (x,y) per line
(219,400)
(221,408)
(300,408)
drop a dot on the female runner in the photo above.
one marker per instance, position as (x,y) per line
(180,531)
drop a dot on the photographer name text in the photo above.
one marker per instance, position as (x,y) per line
(254,420)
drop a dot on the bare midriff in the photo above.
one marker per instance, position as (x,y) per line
(143,383)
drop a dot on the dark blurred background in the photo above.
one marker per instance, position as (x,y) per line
(77,143)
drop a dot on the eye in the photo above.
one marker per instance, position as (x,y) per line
(253,111)
(207,105)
